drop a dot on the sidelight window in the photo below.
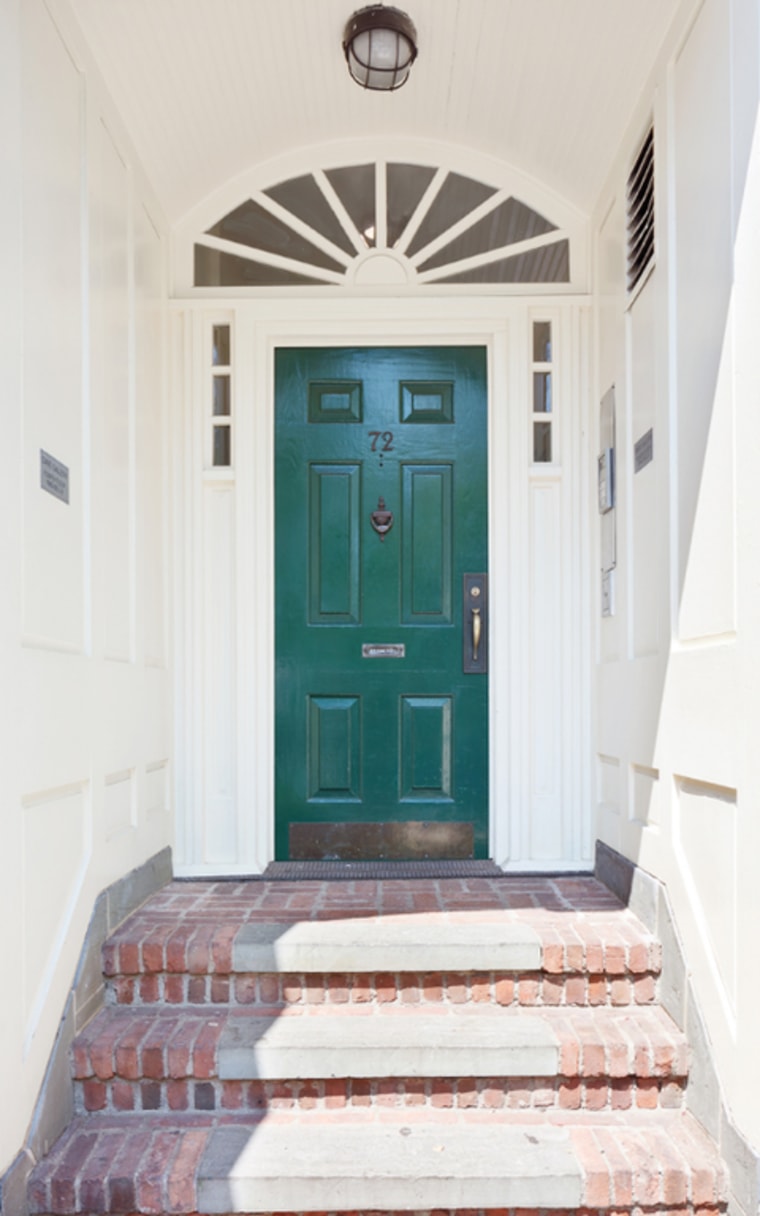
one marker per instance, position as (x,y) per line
(542,393)
(221,397)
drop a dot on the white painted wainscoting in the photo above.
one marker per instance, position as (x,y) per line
(85,614)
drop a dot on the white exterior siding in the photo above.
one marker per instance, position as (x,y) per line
(86,743)
(678,665)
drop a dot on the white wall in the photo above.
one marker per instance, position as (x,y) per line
(85,708)
(678,780)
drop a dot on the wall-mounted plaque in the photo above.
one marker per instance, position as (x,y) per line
(643,451)
(54,476)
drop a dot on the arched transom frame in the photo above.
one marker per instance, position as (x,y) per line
(402,220)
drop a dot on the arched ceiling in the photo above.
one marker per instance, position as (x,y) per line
(208,88)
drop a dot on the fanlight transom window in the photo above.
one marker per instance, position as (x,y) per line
(381,224)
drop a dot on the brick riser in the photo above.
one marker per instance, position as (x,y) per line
(639,1210)
(483,1093)
(656,1209)
(539,988)
(688,1209)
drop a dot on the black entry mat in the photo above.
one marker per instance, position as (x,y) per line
(325,871)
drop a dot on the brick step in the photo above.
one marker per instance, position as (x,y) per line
(295,1163)
(280,1048)
(207,944)
(333,1056)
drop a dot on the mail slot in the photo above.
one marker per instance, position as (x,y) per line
(383,650)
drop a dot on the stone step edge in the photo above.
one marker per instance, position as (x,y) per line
(125,1166)
(283,949)
(327,1042)
(406,945)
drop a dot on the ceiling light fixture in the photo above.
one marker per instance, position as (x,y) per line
(380,45)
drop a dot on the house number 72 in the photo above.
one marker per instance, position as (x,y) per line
(387,438)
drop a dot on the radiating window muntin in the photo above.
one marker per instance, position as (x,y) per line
(442,227)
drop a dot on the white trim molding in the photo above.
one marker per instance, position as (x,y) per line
(382,269)
(540,628)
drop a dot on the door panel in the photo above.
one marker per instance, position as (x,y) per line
(425,751)
(381,739)
(426,552)
(334,544)
(334,743)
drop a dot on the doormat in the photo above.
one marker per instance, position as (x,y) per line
(335,871)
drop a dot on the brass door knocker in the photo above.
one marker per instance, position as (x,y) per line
(381,519)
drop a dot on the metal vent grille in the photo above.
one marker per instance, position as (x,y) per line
(640,213)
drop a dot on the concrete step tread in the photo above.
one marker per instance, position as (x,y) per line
(299,1163)
(420,1046)
(385,1165)
(377,944)
(313,1042)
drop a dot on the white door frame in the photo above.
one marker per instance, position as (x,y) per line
(540,662)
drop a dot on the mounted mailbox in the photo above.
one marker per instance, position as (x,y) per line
(475,623)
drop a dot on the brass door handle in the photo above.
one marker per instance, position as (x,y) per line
(476,625)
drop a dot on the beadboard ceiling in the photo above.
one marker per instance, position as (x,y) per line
(209,88)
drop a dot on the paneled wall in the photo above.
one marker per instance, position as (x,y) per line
(85,726)
(678,664)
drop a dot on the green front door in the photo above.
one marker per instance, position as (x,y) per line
(381,593)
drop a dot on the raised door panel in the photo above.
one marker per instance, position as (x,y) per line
(335,749)
(426,564)
(334,544)
(426,749)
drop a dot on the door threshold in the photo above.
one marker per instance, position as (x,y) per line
(382,871)
(323,871)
